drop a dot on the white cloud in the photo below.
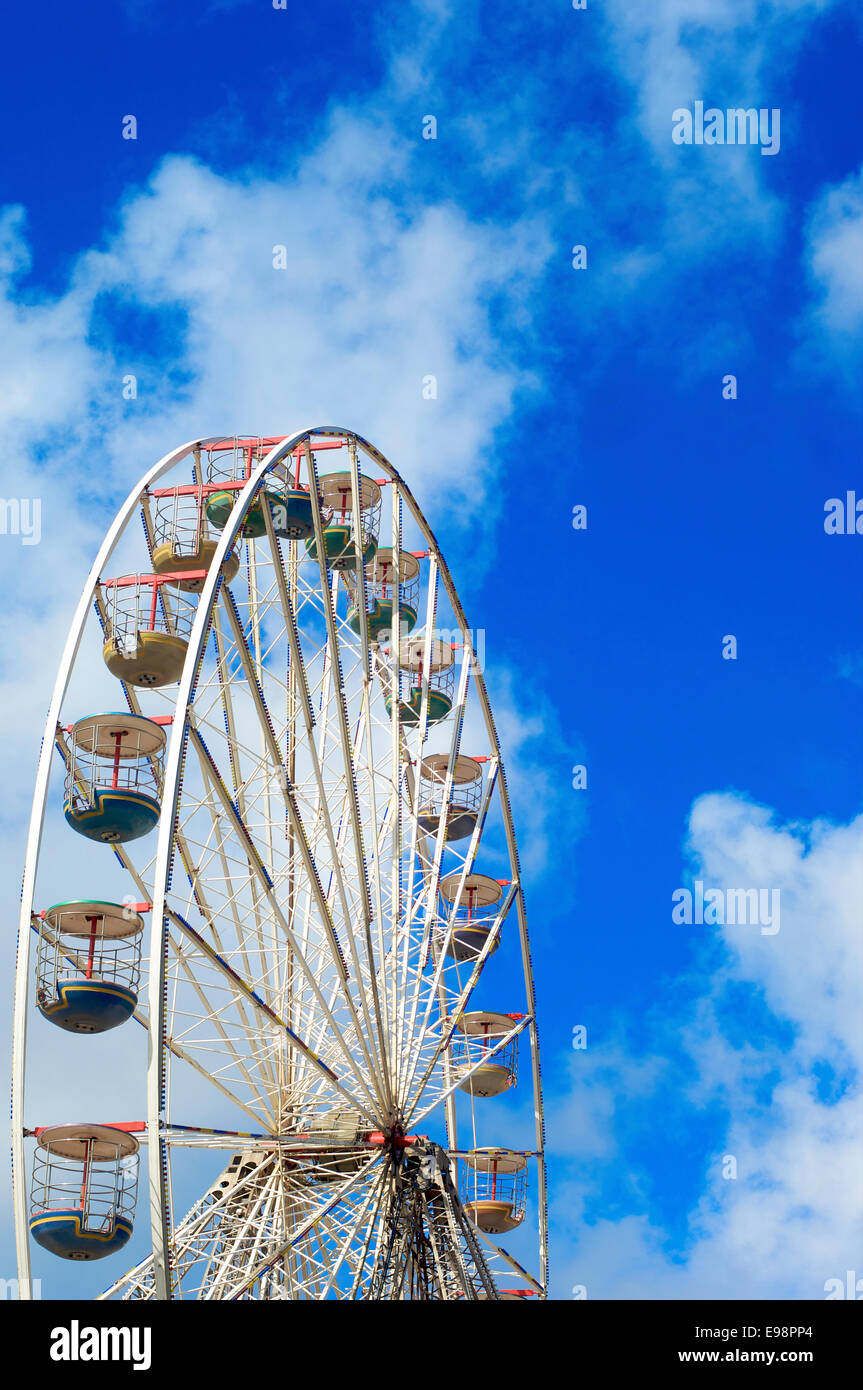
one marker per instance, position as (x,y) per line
(793,1218)
(677,51)
(376,296)
(538,755)
(810,972)
(602,1078)
(727,53)
(834,257)
(374,299)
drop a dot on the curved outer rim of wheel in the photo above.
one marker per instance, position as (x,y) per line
(173,763)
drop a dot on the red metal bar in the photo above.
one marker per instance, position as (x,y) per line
(204,489)
(222,444)
(92,951)
(299,452)
(125,581)
(86,1171)
(127,1126)
(400,1141)
(117,738)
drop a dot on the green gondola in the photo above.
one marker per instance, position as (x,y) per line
(340,547)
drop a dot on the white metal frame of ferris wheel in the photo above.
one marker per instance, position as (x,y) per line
(388,1034)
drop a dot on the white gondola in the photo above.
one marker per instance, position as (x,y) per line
(472,913)
(494,1189)
(490,1070)
(463,808)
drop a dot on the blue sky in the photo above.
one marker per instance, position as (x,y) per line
(557,387)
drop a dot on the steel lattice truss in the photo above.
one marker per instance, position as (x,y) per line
(301,975)
(263,1230)
(428,1247)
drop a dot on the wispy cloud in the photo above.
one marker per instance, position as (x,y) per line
(763,1039)
(834,258)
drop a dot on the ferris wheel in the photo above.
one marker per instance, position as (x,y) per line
(271,746)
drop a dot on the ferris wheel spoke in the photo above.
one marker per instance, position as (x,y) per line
(233,890)
(298,955)
(335,677)
(350,784)
(322,801)
(483,1057)
(433,875)
(320,1256)
(339,1237)
(431,921)
(237,880)
(511,1262)
(364,1273)
(262,983)
(395,780)
(191,1239)
(457,1006)
(209,913)
(251,1234)
(305,706)
(288,792)
(363,721)
(215,1257)
(182,846)
(293,1040)
(360,1222)
(365,759)
(183,1055)
(227,704)
(212,1013)
(140,1016)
